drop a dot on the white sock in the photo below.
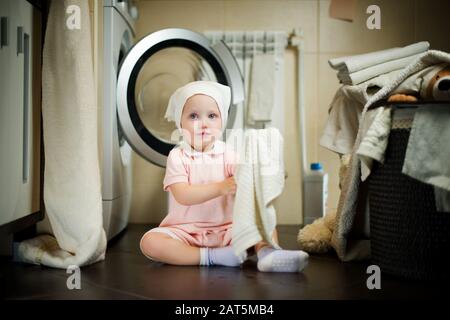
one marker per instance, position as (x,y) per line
(223,256)
(273,260)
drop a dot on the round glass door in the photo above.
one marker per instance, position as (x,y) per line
(153,69)
(164,72)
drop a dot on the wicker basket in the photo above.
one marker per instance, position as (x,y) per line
(408,236)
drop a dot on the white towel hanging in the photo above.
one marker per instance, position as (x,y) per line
(260,180)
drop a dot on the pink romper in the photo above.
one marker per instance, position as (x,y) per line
(207,224)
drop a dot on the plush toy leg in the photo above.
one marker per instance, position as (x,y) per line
(315,237)
(402,98)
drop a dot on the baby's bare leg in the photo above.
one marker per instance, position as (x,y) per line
(163,248)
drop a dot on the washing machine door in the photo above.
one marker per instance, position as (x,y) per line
(152,70)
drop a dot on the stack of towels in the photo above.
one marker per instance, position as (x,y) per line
(353,70)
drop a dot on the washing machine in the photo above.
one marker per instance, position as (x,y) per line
(118,38)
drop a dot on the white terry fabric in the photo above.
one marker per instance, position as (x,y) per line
(72,192)
(346,248)
(345,111)
(350,64)
(374,143)
(260,180)
(262,86)
(425,161)
(428,151)
(360,76)
(219,92)
(416,83)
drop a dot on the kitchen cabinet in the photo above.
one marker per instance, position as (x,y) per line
(20,111)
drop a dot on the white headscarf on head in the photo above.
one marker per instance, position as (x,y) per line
(219,92)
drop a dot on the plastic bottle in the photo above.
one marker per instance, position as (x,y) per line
(315,193)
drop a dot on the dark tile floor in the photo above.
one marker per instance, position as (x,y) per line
(127,274)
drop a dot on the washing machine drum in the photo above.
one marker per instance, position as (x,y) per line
(152,70)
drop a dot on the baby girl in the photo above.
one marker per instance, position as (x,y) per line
(199,179)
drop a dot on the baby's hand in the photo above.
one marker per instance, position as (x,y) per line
(228,186)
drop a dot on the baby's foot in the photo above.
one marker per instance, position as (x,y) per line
(273,260)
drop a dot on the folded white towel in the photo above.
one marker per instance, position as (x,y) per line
(355,63)
(259,179)
(262,89)
(362,75)
(72,191)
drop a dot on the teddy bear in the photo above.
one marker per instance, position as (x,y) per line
(432,84)
(435,86)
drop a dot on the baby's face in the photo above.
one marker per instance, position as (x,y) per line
(201,122)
